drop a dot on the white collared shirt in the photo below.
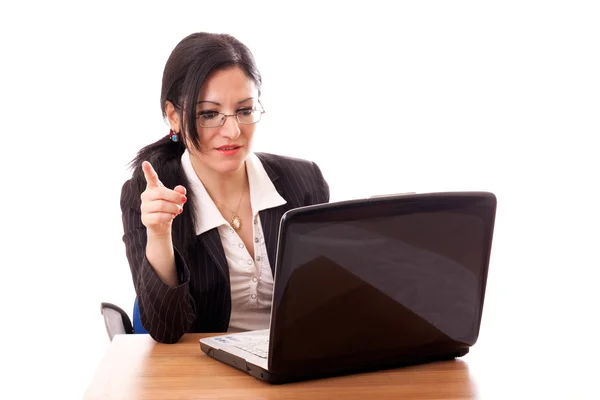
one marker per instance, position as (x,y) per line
(251,279)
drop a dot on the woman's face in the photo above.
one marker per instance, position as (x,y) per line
(225,147)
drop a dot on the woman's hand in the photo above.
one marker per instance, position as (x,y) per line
(160,205)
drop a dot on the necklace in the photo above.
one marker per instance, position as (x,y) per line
(236,220)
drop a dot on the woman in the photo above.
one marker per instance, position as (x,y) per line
(201,212)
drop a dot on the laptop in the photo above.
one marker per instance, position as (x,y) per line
(370,284)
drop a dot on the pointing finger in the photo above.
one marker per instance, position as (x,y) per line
(150,175)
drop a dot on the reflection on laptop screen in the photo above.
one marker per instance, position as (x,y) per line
(394,279)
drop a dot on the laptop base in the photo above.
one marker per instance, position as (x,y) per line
(274,378)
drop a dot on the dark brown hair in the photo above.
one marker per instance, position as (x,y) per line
(189,65)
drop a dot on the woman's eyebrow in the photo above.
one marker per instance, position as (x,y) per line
(218,104)
(245,100)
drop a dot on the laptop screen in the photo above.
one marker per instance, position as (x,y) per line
(381,277)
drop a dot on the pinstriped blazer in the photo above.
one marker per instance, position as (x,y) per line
(202,300)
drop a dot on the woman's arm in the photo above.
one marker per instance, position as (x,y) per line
(161,255)
(160,275)
(322,187)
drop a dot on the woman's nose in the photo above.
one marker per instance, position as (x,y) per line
(230,127)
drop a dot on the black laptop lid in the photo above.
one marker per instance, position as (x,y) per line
(379,278)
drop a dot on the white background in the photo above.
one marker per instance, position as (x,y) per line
(416,96)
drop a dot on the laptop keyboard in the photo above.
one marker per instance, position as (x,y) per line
(258,347)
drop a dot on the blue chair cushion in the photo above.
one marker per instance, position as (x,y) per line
(137,324)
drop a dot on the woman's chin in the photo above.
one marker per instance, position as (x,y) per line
(229,166)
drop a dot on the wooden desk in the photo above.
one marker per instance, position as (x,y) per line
(136,367)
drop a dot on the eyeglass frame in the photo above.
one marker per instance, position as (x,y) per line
(225,116)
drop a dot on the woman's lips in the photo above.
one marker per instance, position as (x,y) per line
(228,150)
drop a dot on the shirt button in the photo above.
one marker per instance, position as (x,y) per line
(253,296)
(256,240)
(231,230)
(241,245)
(255,221)
(258,258)
(254,279)
(249,262)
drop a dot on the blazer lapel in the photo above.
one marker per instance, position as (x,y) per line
(214,247)
(270,218)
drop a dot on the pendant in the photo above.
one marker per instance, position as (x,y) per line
(236,222)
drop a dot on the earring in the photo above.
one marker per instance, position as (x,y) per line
(173,135)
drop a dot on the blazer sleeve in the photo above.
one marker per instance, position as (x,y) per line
(322,187)
(165,312)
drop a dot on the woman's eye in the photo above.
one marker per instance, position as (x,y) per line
(245,111)
(208,115)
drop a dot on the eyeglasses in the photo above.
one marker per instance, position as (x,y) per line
(213,119)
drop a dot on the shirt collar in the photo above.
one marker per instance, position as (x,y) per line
(263,194)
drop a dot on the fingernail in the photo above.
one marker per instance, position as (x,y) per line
(184,199)
(180,210)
